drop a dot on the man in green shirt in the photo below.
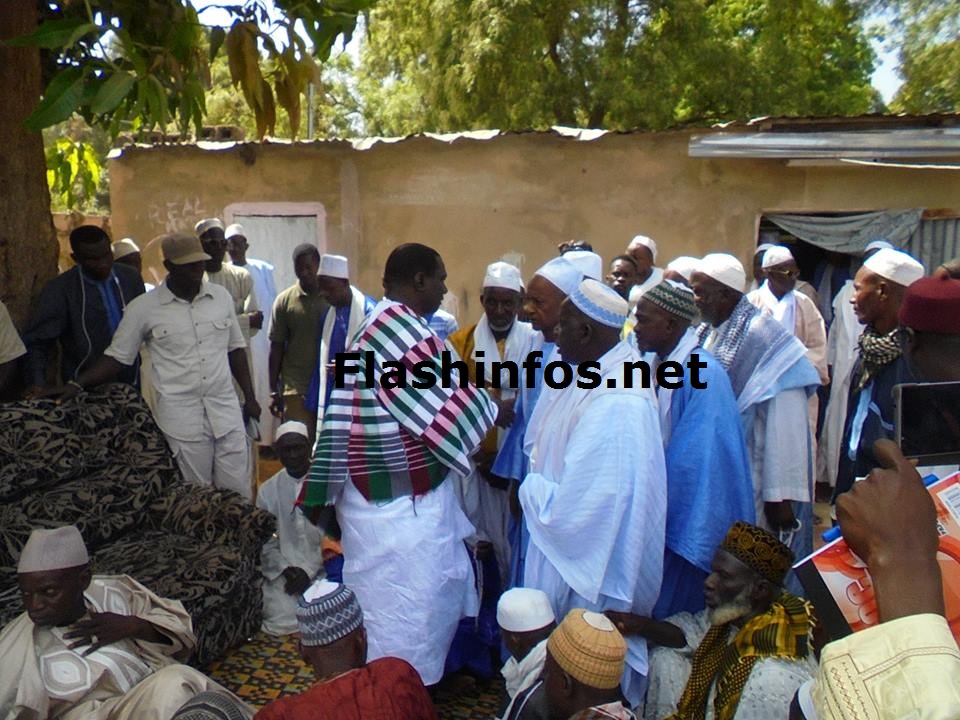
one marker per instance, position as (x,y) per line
(293,340)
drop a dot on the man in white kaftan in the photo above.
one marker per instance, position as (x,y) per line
(264,292)
(497,336)
(293,556)
(595,500)
(390,478)
(772,380)
(92,648)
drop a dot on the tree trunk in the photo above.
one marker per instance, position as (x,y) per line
(28,245)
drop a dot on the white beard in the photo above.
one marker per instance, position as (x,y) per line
(737,608)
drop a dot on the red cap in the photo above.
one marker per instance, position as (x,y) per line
(932,305)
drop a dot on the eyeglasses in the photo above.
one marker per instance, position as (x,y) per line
(786,274)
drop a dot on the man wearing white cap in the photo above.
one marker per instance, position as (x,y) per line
(878,290)
(841,355)
(595,498)
(587,261)
(680,269)
(544,295)
(643,250)
(291,558)
(772,381)
(190,328)
(265,291)
(801,286)
(89,646)
(497,336)
(526,620)
(339,322)
(126,252)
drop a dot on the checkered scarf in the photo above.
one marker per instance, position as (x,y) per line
(783,631)
(738,325)
(395,442)
(877,351)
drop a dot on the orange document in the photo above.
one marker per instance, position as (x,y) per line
(838,584)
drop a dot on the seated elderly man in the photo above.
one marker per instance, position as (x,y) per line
(333,642)
(92,647)
(745,655)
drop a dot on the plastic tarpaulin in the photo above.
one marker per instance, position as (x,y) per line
(851,233)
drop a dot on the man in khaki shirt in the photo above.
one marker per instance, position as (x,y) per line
(294,329)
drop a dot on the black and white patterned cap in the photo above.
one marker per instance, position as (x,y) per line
(326,612)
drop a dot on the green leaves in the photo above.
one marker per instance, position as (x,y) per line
(60,33)
(74,171)
(112,92)
(61,98)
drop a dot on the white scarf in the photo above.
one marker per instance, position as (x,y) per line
(686,345)
(357,317)
(521,675)
(784,310)
(517,346)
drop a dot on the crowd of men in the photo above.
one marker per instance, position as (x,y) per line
(625,548)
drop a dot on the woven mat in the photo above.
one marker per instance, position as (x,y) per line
(268,667)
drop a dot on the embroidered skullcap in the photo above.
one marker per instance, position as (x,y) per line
(590,263)
(213,705)
(600,302)
(878,245)
(334,266)
(724,269)
(562,274)
(124,247)
(292,426)
(762,247)
(932,305)
(206,225)
(643,241)
(55,549)
(502,275)
(777,255)
(675,298)
(524,609)
(895,266)
(234,230)
(684,265)
(589,648)
(759,550)
(305,249)
(326,612)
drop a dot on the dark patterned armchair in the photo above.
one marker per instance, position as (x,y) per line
(100,462)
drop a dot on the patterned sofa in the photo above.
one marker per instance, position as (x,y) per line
(99,461)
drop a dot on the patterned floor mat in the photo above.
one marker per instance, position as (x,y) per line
(268,667)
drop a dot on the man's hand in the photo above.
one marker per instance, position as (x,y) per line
(780,515)
(627,623)
(60,393)
(295,580)
(256,320)
(890,522)
(106,628)
(251,409)
(276,405)
(505,413)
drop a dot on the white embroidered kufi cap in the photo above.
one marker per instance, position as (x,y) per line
(723,268)
(590,263)
(524,609)
(334,266)
(685,265)
(600,302)
(762,247)
(895,266)
(777,255)
(562,274)
(292,426)
(644,241)
(124,247)
(207,224)
(55,549)
(502,275)
(234,230)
